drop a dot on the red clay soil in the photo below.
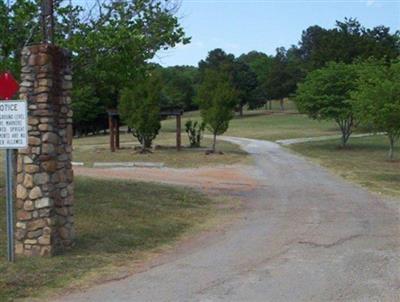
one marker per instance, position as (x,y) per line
(235,177)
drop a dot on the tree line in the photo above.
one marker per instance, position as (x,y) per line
(113,42)
(319,73)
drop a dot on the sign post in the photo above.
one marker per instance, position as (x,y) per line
(13,135)
(9,206)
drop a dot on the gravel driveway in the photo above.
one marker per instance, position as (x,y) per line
(305,235)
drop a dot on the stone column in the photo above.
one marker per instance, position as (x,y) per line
(44,184)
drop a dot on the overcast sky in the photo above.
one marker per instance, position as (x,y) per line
(244,25)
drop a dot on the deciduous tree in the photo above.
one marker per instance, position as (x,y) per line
(239,73)
(217,100)
(377,98)
(326,94)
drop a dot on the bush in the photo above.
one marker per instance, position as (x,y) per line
(195,130)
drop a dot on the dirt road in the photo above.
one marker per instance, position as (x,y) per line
(218,178)
(306,235)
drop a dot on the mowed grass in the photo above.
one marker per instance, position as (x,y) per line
(269,125)
(365,161)
(117,223)
(258,124)
(96,149)
(276,126)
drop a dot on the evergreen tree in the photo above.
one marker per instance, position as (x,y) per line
(140,110)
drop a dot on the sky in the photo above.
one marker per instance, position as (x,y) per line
(240,26)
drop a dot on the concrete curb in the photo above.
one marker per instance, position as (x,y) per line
(286,142)
(128,165)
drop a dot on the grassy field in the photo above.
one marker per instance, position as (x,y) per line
(259,124)
(95,149)
(364,162)
(264,124)
(117,223)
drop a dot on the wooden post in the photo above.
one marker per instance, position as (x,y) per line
(47,19)
(111,127)
(117,132)
(178,132)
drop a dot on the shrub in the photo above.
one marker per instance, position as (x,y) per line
(195,130)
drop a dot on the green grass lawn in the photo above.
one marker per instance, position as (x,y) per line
(258,124)
(264,124)
(96,149)
(116,224)
(364,162)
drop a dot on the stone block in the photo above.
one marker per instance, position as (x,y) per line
(28,181)
(34,141)
(41,178)
(30,241)
(49,166)
(34,234)
(45,251)
(23,215)
(21,225)
(43,203)
(35,193)
(36,224)
(28,205)
(31,169)
(19,248)
(48,149)
(20,234)
(50,137)
(44,240)
(22,193)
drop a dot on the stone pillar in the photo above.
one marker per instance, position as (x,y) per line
(44,184)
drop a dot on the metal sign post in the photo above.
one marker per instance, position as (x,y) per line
(13,135)
(10,205)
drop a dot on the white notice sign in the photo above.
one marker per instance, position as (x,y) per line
(13,124)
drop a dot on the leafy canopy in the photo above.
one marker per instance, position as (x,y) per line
(348,41)
(217,99)
(238,72)
(326,94)
(110,44)
(377,98)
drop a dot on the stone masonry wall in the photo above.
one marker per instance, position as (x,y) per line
(44,185)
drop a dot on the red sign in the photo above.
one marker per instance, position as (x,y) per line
(8,86)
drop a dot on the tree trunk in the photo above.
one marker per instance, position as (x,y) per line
(346,129)
(270,105)
(345,137)
(147,144)
(241,110)
(214,143)
(281,103)
(391,148)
